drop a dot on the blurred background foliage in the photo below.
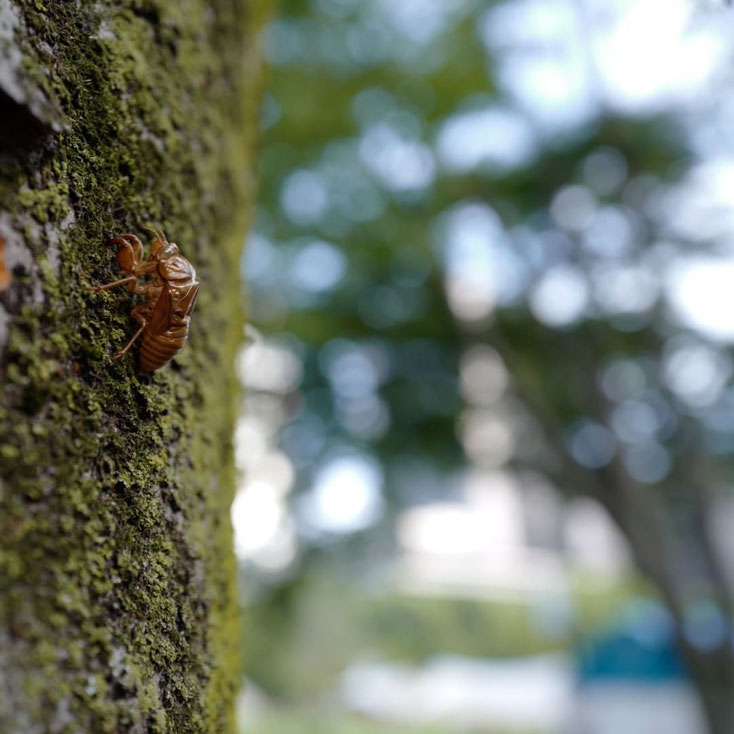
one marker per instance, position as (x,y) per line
(490,274)
(398,627)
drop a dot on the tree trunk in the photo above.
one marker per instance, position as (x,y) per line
(666,525)
(117,605)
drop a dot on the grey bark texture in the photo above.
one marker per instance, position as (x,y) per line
(117,602)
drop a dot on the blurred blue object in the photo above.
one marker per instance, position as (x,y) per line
(640,647)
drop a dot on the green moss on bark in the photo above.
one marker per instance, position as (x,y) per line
(116,574)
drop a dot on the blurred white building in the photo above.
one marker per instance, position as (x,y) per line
(506,540)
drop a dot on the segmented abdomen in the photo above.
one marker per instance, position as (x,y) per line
(159,349)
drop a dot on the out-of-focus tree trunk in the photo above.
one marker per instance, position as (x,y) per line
(116,571)
(666,525)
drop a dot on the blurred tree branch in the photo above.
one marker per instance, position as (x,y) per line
(666,524)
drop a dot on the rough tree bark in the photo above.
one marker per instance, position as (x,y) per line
(116,572)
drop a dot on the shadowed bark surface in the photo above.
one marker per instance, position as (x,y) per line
(116,571)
